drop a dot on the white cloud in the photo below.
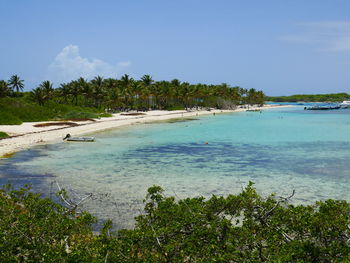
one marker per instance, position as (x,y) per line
(327,36)
(69,65)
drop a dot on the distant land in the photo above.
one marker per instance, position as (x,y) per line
(331,97)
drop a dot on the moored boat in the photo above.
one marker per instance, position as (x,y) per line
(323,107)
(345,104)
(78,139)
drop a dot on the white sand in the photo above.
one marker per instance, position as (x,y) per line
(28,135)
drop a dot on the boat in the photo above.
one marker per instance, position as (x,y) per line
(323,107)
(345,104)
(78,139)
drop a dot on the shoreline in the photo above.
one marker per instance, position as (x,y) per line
(26,135)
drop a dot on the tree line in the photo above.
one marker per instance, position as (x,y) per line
(332,97)
(127,93)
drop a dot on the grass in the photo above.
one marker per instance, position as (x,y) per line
(6,118)
(105,115)
(80,115)
(14,111)
(3,135)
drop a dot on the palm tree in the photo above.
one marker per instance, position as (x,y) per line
(147,83)
(186,94)
(97,90)
(251,96)
(176,83)
(38,95)
(74,90)
(84,88)
(147,80)
(47,90)
(234,95)
(136,91)
(64,91)
(113,98)
(126,82)
(16,83)
(4,89)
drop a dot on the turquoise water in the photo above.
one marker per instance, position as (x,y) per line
(279,149)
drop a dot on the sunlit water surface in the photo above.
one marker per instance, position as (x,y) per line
(279,149)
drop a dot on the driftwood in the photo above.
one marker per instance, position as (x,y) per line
(71,205)
(133,114)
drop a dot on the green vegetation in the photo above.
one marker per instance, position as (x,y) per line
(15,110)
(88,99)
(3,135)
(80,115)
(334,97)
(237,228)
(105,115)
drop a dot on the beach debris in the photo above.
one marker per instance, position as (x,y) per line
(71,204)
(8,155)
(132,113)
(61,123)
(80,119)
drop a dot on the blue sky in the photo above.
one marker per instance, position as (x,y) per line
(281,47)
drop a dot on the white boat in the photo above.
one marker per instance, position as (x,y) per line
(78,139)
(345,104)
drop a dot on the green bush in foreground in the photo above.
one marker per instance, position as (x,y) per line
(236,228)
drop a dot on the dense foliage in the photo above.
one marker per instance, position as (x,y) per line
(237,228)
(126,93)
(15,110)
(334,97)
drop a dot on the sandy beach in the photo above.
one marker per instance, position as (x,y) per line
(27,135)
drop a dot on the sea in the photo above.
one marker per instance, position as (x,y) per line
(279,150)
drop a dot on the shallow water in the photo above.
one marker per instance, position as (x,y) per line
(279,149)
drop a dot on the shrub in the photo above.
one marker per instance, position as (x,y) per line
(14,111)
(237,228)
(105,115)
(3,135)
(35,229)
(7,118)
(80,115)
(173,108)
